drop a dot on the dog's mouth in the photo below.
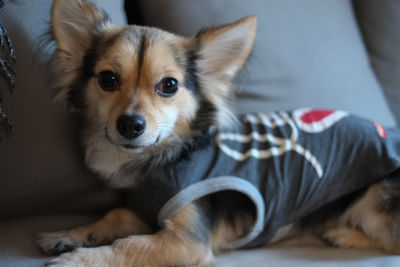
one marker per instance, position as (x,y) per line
(130,147)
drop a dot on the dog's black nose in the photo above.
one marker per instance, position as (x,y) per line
(131,126)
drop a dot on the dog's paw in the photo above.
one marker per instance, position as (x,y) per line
(99,257)
(348,238)
(56,243)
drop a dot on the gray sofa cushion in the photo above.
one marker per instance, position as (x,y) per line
(41,167)
(306,54)
(380,24)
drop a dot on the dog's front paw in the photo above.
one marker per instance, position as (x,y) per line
(65,241)
(56,243)
(99,257)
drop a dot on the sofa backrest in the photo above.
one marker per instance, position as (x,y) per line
(307,53)
(379,22)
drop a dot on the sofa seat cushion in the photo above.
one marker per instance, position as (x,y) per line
(17,248)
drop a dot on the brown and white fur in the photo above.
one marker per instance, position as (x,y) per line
(146,97)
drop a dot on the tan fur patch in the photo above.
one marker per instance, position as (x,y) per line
(350,238)
(169,247)
(366,224)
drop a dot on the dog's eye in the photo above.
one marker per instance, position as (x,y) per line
(167,87)
(108,81)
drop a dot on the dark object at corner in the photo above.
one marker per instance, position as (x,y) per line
(7,65)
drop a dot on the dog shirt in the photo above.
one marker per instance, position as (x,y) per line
(287,163)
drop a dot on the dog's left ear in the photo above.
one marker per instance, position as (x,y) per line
(223,50)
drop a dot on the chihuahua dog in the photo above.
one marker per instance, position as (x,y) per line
(151,102)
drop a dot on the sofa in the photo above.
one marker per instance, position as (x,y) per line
(335,54)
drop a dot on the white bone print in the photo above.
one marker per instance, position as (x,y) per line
(280,145)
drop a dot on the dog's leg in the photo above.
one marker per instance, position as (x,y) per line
(115,224)
(184,241)
(373,221)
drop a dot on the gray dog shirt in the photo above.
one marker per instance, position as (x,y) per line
(287,163)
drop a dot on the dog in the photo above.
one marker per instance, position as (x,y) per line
(151,102)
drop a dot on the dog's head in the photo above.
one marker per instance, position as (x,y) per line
(141,87)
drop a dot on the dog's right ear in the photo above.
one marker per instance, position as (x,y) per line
(74,23)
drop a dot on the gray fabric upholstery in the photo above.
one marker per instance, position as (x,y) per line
(380,24)
(308,54)
(41,167)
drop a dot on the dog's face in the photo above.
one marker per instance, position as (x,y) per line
(139,92)
(141,88)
